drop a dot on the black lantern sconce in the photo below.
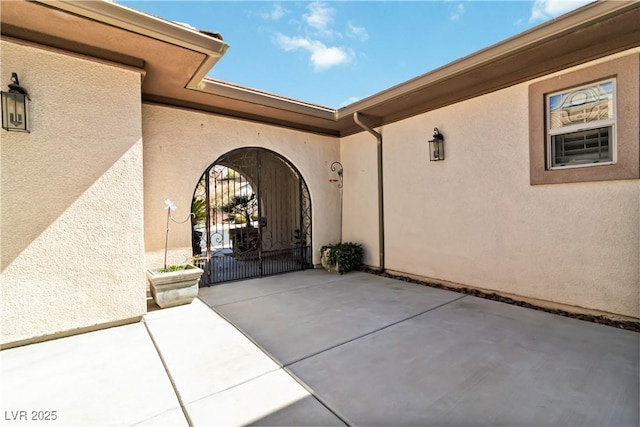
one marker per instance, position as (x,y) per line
(436,146)
(15,107)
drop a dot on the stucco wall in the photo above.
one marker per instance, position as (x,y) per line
(72,211)
(474,219)
(180,144)
(359,158)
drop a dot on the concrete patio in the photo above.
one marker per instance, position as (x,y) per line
(325,349)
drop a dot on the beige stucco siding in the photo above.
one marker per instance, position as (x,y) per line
(180,144)
(72,212)
(474,219)
(360,192)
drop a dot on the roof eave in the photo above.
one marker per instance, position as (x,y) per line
(579,18)
(142,23)
(593,31)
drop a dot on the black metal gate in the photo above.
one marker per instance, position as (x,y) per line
(252,217)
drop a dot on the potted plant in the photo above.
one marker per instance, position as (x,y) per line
(173,284)
(341,257)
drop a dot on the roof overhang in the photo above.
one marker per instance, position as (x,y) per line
(176,60)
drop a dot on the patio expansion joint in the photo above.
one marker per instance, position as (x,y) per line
(166,369)
(231,387)
(281,366)
(374,331)
(320,400)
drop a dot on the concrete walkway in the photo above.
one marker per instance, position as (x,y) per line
(180,366)
(368,351)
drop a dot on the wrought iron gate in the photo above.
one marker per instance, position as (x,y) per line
(252,217)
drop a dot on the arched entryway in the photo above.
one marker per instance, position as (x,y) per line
(252,217)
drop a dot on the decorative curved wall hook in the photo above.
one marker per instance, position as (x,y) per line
(337,167)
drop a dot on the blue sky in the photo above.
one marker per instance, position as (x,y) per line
(333,53)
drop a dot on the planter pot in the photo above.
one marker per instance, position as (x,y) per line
(331,268)
(174,287)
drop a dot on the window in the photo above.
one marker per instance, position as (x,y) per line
(584,124)
(581,126)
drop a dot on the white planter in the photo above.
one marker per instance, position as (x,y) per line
(174,287)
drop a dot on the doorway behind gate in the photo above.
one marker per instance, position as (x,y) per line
(252,217)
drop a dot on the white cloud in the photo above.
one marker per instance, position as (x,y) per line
(327,57)
(319,25)
(320,17)
(547,9)
(277,12)
(357,32)
(458,12)
(291,43)
(322,57)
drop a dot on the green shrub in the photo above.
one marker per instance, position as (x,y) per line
(347,256)
(240,219)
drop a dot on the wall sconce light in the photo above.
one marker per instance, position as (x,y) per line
(15,107)
(436,146)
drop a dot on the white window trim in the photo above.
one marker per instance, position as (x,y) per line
(578,127)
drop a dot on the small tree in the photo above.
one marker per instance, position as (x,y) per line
(244,238)
(241,205)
